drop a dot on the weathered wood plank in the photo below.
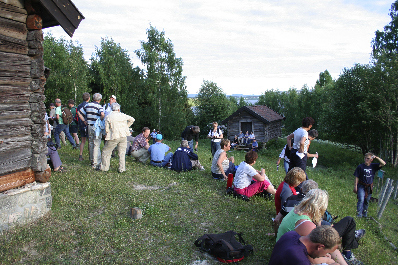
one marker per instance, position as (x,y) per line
(13,67)
(12,12)
(16,179)
(15,143)
(13,160)
(14,111)
(14,45)
(14,94)
(17,59)
(15,3)
(13,29)
(16,82)
(15,128)
(5,73)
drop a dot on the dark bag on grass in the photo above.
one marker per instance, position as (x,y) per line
(224,246)
(67,116)
(328,217)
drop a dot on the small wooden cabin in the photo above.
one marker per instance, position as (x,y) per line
(263,121)
(22,143)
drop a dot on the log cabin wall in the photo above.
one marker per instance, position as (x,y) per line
(234,126)
(264,131)
(273,130)
(22,110)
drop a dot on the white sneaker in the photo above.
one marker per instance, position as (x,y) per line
(359,234)
(353,260)
(201,168)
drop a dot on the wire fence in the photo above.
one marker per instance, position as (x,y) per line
(386,217)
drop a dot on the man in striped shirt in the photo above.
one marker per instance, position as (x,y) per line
(91,112)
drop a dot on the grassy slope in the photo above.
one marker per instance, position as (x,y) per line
(90,222)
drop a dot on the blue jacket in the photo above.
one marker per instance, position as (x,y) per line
(182,159)
(99,127)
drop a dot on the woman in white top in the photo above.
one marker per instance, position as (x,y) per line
(216,135)
(249,181)
(222,165)
(298,152)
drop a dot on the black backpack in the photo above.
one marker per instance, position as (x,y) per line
(224,246)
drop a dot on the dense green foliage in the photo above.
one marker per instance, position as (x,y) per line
(69,72)
(212,105)
(166,103)
(113,74)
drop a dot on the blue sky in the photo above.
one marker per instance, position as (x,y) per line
(246,47)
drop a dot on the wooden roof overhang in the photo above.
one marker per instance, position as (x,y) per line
(56,13)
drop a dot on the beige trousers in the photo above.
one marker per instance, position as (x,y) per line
(141,155)
(110,145)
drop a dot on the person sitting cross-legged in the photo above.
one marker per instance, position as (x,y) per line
(140,146)
(158,151)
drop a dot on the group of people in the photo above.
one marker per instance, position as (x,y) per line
(96,122)
(305,231)
(93,121)
(246,140)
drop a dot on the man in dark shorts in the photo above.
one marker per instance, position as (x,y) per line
(81,125)
(73,125)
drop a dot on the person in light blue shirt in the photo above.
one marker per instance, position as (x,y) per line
(153,136)
(108,107)
(158,151)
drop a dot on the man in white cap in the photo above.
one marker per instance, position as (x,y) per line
(107,107)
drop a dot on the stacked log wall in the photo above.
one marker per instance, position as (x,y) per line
(273,130)
(22,143)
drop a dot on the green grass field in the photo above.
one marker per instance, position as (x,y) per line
(90,221)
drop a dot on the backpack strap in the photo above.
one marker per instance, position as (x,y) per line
(241,239)
(232,251)
(201,242)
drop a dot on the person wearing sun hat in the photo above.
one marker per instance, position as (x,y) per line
(158,151)
(108,106)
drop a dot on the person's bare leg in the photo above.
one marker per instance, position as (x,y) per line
(76,138)
(82,147)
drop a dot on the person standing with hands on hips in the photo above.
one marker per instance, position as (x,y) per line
(364,176)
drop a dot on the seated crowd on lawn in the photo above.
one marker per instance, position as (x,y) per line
(303,233)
